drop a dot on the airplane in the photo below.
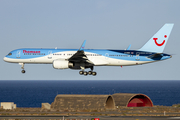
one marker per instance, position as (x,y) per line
(81,59)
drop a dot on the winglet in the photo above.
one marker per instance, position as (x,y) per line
(128,47)
(82,46)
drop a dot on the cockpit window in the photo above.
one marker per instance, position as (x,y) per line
(10,54)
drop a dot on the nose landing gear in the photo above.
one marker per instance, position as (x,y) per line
(22,67)
(23,71)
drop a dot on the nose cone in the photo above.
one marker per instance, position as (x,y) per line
(5,59)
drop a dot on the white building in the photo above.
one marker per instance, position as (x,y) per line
(45,106)
(8,105)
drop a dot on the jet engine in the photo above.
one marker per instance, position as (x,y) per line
(62,64)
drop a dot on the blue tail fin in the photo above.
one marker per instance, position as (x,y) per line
(158,42)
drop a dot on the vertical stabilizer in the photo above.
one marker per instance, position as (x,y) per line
(158,42)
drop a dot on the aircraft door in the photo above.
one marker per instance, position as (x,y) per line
(106,56)
(137,56)
(18,54)
(49,54)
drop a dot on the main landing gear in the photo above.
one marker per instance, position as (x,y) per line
(85,73)
(22,67)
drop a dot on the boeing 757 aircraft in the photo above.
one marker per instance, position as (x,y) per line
(82,59)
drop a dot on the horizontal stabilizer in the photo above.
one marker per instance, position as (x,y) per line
(157,55)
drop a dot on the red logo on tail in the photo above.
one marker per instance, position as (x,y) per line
(155,40)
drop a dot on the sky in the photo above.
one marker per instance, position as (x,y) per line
(105,24)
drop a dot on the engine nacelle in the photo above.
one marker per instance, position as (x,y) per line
(62,64)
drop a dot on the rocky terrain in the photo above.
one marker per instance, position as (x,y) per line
(119,111)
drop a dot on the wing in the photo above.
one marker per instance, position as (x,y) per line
(80,56)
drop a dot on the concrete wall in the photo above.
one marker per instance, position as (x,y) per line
(46,106)
(122,99)
(132,100)
(76,102)
(91,102)
(8,105)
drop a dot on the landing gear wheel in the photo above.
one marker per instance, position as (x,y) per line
(85,73)
(94,73)
(23,71)
(90,72)
(81,72)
